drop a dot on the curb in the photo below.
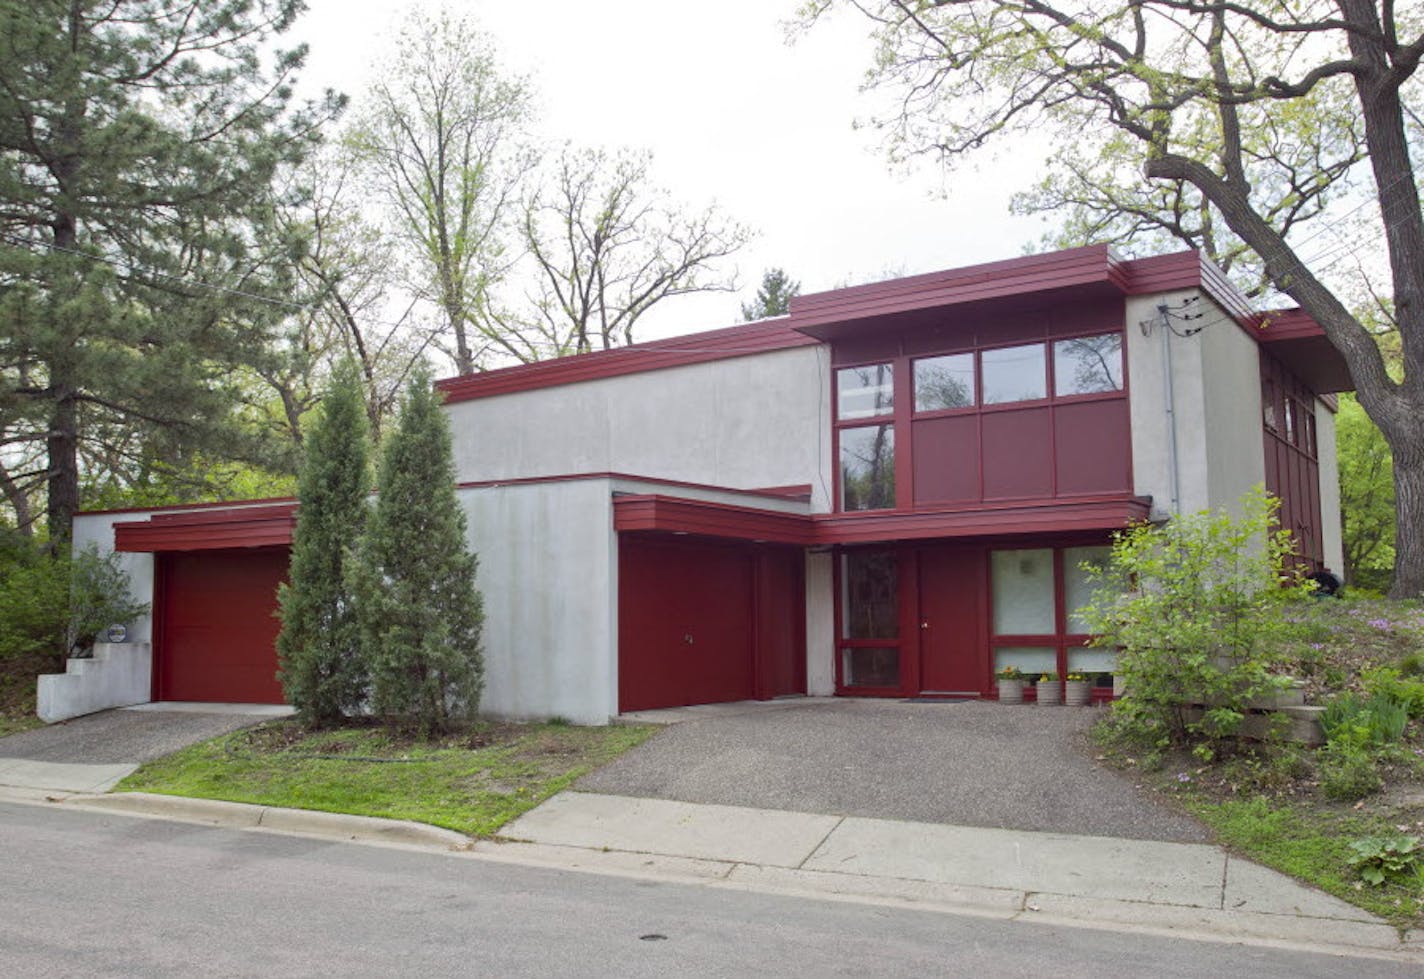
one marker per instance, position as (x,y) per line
(1261,929)
(302,822)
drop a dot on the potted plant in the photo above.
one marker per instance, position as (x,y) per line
(1077,690)
(1011,684)
(1049,692)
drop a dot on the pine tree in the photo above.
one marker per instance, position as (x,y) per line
(322,671)
(773,297)
(419,611)
(144,147)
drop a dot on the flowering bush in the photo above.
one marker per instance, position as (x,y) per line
(1077,678)
(1010,673)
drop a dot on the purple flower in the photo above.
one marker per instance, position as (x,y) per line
(1382,624)
(1183,777)
(1317,645)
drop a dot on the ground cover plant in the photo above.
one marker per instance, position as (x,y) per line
(1346,816)
(472,780)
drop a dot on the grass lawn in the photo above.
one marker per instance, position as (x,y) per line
(472,782)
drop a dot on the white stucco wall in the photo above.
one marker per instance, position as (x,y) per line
(98,530)
(1216,395)
(820,625)
(548,572)
(1231,380)
(1151,428)
(747,422)
(1329,460)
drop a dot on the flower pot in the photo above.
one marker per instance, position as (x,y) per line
(1049,692)
(1011,691)
(1077,693)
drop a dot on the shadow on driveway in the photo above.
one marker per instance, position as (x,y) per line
(971,763)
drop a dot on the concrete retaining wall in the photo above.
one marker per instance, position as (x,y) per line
(118,675)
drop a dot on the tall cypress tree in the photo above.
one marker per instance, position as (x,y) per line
(322,672)
(419,611)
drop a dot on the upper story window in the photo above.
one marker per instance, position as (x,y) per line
(943,383)
(867,467)
(1014,374)
(1087,365)
(865,392)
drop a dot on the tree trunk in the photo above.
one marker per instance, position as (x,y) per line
(63,449)
(1409,516)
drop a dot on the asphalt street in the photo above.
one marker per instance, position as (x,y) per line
(99,895)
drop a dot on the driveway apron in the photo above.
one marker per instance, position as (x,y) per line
(971,763)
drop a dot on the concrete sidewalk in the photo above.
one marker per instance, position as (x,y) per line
(1176,888)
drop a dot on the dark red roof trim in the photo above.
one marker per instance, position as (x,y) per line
(664,514)
(255,526)
(1075,267)
(694,348)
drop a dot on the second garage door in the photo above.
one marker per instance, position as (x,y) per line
(217,633)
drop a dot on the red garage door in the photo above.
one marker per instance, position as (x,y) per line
(216,632)
(705,623)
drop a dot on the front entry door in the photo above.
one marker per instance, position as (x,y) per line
(953,640)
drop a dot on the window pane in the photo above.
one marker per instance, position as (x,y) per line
(1082,659)
(861,667)
(1087,365)
(868,467)
(869,609)
(1029,659)
(864,392)
(1268,406)
(1077,587)
(1290,421)
(1023,592)
(1014,374)
(944,382)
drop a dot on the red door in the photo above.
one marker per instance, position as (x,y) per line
(953,641)
(685,624)
(217,633)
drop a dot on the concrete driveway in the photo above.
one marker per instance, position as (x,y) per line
(971,763)
(92,753)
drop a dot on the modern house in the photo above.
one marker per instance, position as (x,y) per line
(889,492)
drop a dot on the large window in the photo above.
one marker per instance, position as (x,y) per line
(1087,365)
(868,467)
(1014,374)
(870,619)
(865,392)
(1038,596)
(943,383)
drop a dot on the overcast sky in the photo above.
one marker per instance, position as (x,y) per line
(733,114)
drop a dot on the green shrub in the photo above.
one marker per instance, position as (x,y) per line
(1347,772)
(1387,682)
(61,604)
(1196,608)
(1381,858)
(1412,664)
(1376,721)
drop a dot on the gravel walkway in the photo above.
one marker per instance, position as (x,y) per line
(122,736)
(971,763)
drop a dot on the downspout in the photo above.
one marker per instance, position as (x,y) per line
(1171,410)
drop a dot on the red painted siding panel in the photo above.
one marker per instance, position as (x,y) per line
(946,459)
(216,630)
(1091,447)
(1018,454)
(780,622)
